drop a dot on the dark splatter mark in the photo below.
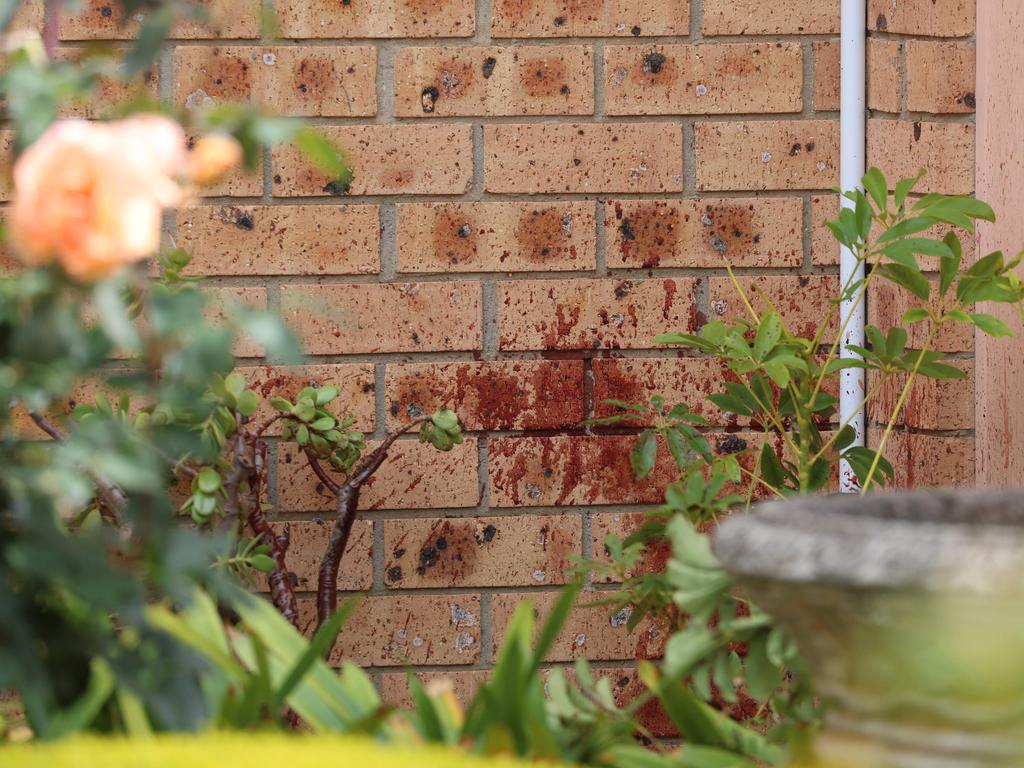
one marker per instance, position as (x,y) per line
(489,64)
(395,573)
(454,238)
(560,21)
(882,23)
(106,12)
(970,100)
(336,188)
(489,533)
(428,98)
(636,31)
(627,231)
(653,62)
(795,149)
(917,131)
(243,220)
(732,444)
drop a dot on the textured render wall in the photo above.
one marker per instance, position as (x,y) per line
(541,186)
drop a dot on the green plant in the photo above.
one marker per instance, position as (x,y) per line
(779,384)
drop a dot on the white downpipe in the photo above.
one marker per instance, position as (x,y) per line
(853,141)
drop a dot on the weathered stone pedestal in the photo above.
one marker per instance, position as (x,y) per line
(909,609)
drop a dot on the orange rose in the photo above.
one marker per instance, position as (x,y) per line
(91,195)
(213,157)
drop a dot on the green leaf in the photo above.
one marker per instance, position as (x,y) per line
(906,277)
(940,371)
(948,268)
(914,315)
(876,186)
(323,424)
(148,42)
(248,403)
(644,454)
(905,228)
(326,157)
(208,480)
(325,395)
(991,325)
(904,187)
(281,404)
(262,563)
(771,468)
(319,646)
(769,331)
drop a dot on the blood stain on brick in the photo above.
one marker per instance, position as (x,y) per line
(399,178)
(454,238)
(314,76)
(650,233)
(730,229)
(543,76)
(449,552)
(229,76)
(617,383)
(654,68)
(545,234)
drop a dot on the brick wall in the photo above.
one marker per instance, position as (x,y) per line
(540,187)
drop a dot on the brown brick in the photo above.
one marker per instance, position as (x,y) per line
(490,395)
(496,237)
(386,159)
(765,17)
(752,232)
(281,239)
(399,630)
(825,87)
(922,461)
(494,81)
(286,80)
(619,157)
(593,632)
(221,301)
(931,18)
(354,383)
(884,86)
(886,304)
(590,18)
(27,16)
(946,150)
(366,318)
(309,542)
(243,181)
(593,314)
(108,95)
(940,77)
(686,380)
(703,79)
(6,159)
(512,551)
(560,471)
(104,20)
(931,404)
(386,18)
(804,301)
(414,476)
(394,686)
(767,155)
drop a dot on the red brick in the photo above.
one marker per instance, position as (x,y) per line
(931,404)
(415,476)
(886,304)
(923,461)
(593,632)
(631,157)
(394,686)
(104,20)
(825,87)
(491,395)
(686,380)
(946,150)
(308,542)
(765,17)
(885,90)
(703,79)
(386,159)
(496,237)
(385,18)
(399,630)
(589,18)
(804,301)
(353,381)
(494,81)
(509,551)
(366,318)
(752,232)
(281,239)
(286,80)
(767,155)
(940,77)
(593,314)
(932,18)
(560,471)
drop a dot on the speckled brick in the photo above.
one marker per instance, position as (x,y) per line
(399,630)
(108,96)
(752,232)
(104,20)
(354,382)
(886,304)
(221,302)
(415,476)
(490,395)
(767,154)
(496,237)
(399,317)
(903,147)
(325,81)
(825,86)
(387,160)
(768,17)
(884,74)
(622,525)
(589,18)
(281,239)
(27,16)
(940,77)
(686,380)
(6,156)
(243,181)
(931,18)
(593,632)
(565,471)
(383,18)
(632,157)
(508,551)
(464,683)
(928,461)
(308,542)
(703,79)
(494,81)
(804,301)
(931,404)
(593,314)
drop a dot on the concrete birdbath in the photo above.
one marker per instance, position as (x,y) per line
(909,609)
